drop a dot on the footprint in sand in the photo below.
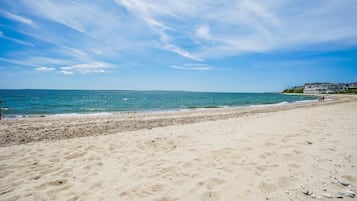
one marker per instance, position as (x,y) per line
(262,168)
(51,184)
(248,148)
(265,155)
(288,157)
(267,187)
(187,165)
(211,184)
(96,185)
(157,188)
(350,178)
(6,189)
(94,157)
(269,144)
(74,155)
(294,165)
(211,195)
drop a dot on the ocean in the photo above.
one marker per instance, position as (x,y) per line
(37,103)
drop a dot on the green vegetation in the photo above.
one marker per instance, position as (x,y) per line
(294,90)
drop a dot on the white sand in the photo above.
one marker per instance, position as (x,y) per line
(260,156)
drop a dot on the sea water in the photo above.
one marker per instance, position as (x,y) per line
(29,103)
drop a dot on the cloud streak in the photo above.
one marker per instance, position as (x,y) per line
(2,35)
(45,69)
(231,28)
(63,12)
(192,67)
(86,68)
(81,32)
(16,17)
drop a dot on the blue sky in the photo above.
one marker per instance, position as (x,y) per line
(202,45)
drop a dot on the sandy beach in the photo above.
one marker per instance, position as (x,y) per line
(282,152)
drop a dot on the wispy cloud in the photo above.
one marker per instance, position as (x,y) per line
(203,31)
(151,13)
(83,32)
(231,28)
(86,68)
(178,50)
(192,67)
(15,61)
(35,61)
(16,17)
(65,72)
(63,12)
(2,35)
(99,52)
(45,69)
(45,61)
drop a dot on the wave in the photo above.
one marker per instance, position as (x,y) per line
(270,104)
(307,101)
(82,114)
(26,116)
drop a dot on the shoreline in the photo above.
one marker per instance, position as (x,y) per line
(27,130)
(164,111)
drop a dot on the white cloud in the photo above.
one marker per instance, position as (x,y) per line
(192,67)
(178,50)
(101,30)
(63,12)
(99,52)
(45,61)
(45,69)
(65,72)
(157,24)
(86,68)
(14,61)
(203,31)
(236,27)
(16,40)
(195,30)
(36,61)
(16,17)
(149,13)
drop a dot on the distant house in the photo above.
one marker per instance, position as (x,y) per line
(325,88)
(352,85)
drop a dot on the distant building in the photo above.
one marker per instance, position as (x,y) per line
(352,85)
(326,88)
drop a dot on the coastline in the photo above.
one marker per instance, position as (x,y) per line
(49,103)
(173,110)
(264,153)
(58,127)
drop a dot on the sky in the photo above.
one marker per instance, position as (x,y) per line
(201,45)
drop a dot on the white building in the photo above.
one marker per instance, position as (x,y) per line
(324,88)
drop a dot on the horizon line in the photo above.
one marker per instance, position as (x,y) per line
(143,90)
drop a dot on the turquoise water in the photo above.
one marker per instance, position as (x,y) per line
(25,103)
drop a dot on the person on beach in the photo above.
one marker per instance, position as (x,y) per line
(322,99)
